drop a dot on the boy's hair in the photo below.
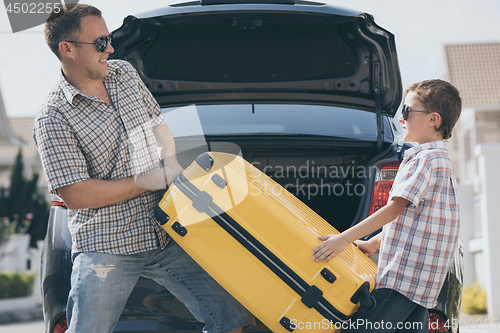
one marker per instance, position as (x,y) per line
(64,24)
(441,97)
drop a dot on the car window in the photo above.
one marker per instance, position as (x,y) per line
(273,119)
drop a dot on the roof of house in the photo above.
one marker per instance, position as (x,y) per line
(5,132)
(475,70)
(21,128)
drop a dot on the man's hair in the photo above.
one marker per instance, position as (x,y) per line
(441,97)
(64,24)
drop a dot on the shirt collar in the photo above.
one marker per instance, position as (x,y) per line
(440,144)
(70,91)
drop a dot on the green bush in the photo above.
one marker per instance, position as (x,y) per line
(474,299)
(16,284)
(22,208)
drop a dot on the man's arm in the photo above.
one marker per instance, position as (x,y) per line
(96,193)
(333,245)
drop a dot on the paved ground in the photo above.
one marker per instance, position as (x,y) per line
(478,323)
(469,324)
(37,327)
(30,313)
(28,327)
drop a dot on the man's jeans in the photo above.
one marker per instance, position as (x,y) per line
(393,313)
(101,284)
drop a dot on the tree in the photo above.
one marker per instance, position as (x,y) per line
(22,208)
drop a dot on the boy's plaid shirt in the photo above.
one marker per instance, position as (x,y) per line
(80,137)
(418,246)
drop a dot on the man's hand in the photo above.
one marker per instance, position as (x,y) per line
(166,151)
(159,179)
(331,247)
(171,169)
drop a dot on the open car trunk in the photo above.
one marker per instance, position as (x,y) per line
(329,181)
(320,154)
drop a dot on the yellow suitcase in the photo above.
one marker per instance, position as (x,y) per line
(256,239)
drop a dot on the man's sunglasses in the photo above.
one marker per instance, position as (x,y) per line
(101,43)
(406,112)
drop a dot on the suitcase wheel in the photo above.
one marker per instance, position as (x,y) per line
(363,297)
(368,303)
(205,161)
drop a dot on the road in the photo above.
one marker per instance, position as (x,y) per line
(29,327)
(478,323)
(477,326)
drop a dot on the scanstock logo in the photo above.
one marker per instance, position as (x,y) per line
(26,14)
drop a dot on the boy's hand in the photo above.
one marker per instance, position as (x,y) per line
(331,247)
(370,246)
(366,247)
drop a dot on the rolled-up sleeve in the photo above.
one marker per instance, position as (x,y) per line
(413,184)
(62,159)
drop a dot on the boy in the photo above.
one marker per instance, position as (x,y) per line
(420,221)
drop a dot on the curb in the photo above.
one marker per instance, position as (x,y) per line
(19,309)
(21,315)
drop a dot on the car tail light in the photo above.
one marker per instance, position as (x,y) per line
(383,183)
(57,201)
(437,323)
(61,325)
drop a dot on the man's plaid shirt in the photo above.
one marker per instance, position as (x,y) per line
(80,137)
(418,246)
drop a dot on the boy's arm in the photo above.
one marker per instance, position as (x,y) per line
(333,245)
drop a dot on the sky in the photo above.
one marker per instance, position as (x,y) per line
(29,70)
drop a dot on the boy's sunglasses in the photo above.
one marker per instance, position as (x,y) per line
(101,43)
(406,112)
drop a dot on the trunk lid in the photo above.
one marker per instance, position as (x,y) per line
(286,52)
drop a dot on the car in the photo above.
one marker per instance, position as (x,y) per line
(304,91)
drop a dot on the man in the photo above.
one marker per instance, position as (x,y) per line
(99,134)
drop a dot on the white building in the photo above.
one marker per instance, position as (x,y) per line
(475,70)
(6,137)
(16,254)
(20,130)
(16,133)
